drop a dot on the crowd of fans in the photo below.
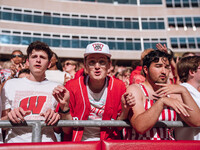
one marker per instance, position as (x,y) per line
(41,87)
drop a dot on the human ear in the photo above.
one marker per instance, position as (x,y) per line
(145,69)
(191,73)
(49,65)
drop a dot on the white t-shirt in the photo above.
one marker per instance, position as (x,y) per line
(56,76)
(30,95)
(97,102)
(189,133)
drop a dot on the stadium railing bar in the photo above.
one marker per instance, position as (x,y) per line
(37,125)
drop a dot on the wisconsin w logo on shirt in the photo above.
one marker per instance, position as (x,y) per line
(33,103)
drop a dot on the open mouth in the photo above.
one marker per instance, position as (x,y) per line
(97,73)
(38,66)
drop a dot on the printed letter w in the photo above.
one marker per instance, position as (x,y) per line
(34,103)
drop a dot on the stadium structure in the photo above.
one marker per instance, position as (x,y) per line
(127,26)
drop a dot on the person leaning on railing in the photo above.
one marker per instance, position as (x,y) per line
(94,96)
(31,98)
(158,101)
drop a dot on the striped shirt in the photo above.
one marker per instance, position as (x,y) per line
(168,114)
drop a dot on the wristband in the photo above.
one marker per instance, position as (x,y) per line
(64,112)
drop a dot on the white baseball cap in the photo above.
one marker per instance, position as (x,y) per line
(97,47)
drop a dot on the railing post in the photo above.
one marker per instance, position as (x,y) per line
(36,131)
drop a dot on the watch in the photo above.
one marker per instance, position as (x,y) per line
(64,112)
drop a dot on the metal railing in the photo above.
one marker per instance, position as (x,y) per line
(37,125)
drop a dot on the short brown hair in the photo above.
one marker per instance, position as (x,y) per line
(186,64)
(37,45)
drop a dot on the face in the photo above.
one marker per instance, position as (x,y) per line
(69,67)
(38,62)
(158,72)
(53,60)
(17,58)
(196,75)
(97,66)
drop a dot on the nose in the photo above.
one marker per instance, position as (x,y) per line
(97,65)
(38,59)
(164,70)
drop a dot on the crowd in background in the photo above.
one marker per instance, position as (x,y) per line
(62,72)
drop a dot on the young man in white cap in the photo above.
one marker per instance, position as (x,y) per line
(95,96)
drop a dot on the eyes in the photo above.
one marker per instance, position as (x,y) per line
(38,56)
(101,62)
(161,65)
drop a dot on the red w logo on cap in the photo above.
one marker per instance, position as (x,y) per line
(97,47)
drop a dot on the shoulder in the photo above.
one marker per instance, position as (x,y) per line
(136,90)
(135,87)
(117,81)
(14,81)
(52,83)
(74,82)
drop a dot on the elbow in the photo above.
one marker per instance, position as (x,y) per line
(194,123)
(139,129)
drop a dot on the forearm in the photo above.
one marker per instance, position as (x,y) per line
(4,115)
(123,115)
(193,119)
(4,118)
(146,120)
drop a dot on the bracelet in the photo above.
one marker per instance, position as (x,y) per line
(64,112)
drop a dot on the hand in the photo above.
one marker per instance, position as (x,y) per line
(17,115)
(22,66)
(177,105)
(51,117)
(62,96)
(161,48)
(13,70)
(167,89)
(128,100)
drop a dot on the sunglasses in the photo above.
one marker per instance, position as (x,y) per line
(67,64)
(101,63)
(13,56)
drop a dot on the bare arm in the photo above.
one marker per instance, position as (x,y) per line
(16,115)
(186,98)
(142,120)
(4,115)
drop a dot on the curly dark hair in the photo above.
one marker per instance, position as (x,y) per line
(154,56)
(38,45)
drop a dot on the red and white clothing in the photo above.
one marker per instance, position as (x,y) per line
(168,114)
(30,95)
(80,105)
(97,102)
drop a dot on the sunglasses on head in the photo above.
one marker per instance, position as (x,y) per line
(13,56)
